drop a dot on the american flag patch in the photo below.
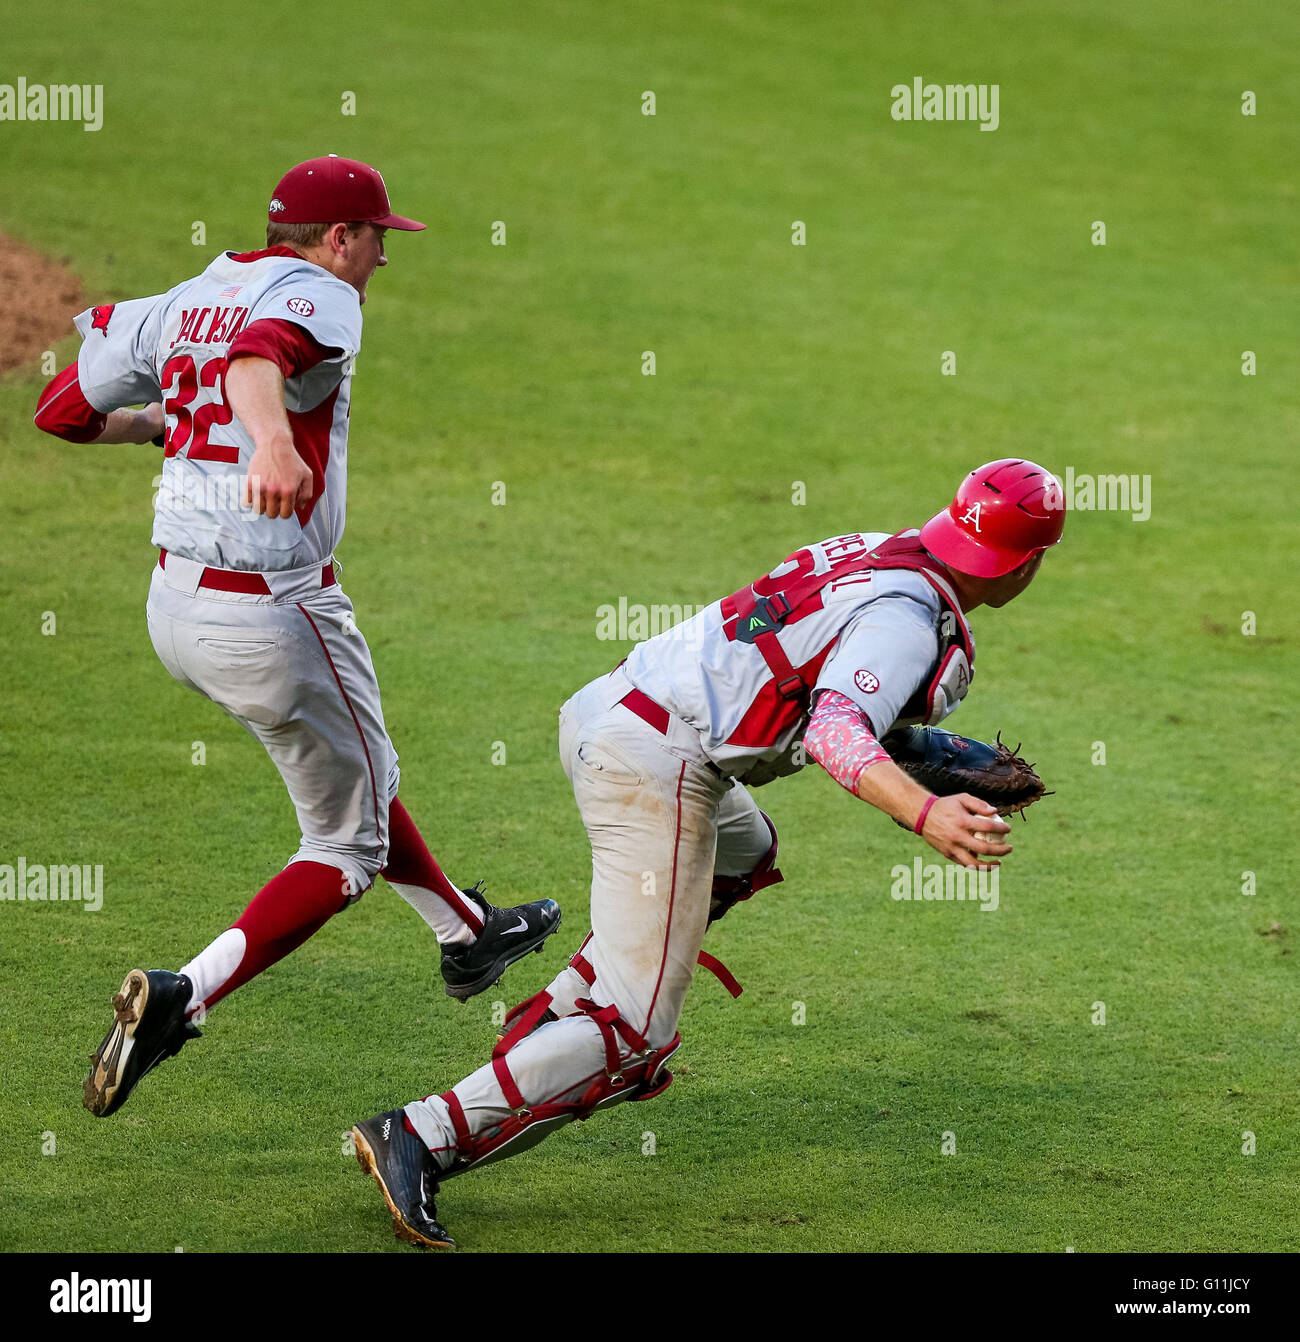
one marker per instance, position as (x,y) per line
(231,292)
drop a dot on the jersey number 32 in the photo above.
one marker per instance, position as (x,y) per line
(183,383)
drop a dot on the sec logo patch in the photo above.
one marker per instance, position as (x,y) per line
(304,307)
(866,682)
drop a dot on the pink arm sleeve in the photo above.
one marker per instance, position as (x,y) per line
(840,739)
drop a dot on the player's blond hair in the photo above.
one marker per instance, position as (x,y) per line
(298,235)
(294,235)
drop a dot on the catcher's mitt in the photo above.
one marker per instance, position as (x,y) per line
(946,764)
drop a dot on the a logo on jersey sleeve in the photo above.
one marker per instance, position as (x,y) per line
(303,307)
(100,317)
(866,682)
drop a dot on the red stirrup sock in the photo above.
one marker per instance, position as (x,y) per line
(283,914)
(414,874)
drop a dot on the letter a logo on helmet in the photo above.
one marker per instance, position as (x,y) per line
(1004,513)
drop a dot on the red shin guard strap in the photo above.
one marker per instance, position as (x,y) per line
(529,1012)
(605,1018)
(611,1026)
(610,1021)
(638,1043)
(721,973)
(766,872)
(514,1096)
(456,1112)
(636,1082)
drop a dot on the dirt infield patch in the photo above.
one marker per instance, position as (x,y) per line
(40,299)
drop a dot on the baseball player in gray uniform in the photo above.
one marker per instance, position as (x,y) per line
(245,371)
(844,641)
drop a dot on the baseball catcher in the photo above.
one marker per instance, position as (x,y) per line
(849,652)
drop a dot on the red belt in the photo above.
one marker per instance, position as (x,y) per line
(647,710)
(656,715)
(252,584)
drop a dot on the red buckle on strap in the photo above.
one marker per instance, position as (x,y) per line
(647,710)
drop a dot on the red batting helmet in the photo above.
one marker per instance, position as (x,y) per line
(1004,513)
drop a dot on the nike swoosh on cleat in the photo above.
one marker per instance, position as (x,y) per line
(521,926)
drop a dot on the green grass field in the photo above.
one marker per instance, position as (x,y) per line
(776,364)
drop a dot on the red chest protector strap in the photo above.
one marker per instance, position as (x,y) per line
(758,617)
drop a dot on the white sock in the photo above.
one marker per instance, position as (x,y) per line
(448,926)
(212,966)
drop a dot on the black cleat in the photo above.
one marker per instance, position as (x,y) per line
(407,1177)
(149,1026)
(508,935)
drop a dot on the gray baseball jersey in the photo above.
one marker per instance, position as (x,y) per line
(172,347)
(874,638)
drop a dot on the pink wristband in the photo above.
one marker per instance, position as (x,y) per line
(925,811)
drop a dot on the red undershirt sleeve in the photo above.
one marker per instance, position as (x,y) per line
(63,410)
(284,343)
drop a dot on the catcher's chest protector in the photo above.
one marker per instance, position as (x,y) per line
(756,613)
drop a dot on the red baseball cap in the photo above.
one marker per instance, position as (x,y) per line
(1004,513)
(331,190)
